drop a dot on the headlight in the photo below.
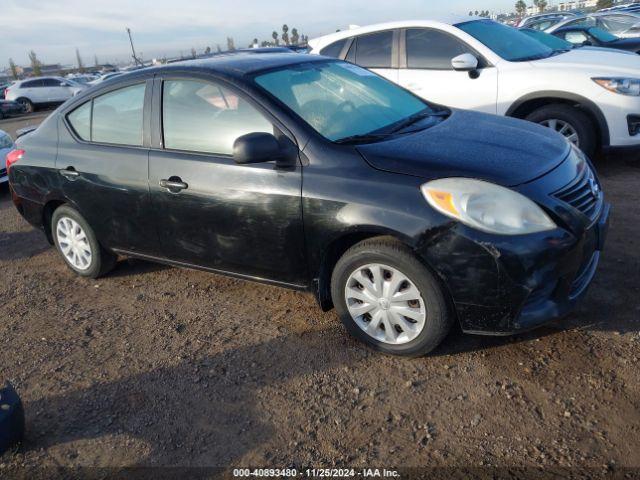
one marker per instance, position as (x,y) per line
(623,86)
(486,206)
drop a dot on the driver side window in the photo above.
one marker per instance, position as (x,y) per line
(200,116)
(432,50)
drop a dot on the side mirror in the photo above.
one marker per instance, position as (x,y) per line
(465,63)
(261,147)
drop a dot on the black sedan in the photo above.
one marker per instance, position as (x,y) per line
(318,175)
(8,107)
(597,37)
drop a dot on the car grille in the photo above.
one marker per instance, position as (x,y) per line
(583,193)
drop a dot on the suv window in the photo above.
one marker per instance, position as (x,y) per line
(334,49)
(432,49)
(31,84)
(115,117)
(374,50)
(202,116)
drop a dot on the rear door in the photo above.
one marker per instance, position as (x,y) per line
(426,70)
(103,166)
(241,219)
(376,51)
(33,90)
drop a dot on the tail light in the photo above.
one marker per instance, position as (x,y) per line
(12,157)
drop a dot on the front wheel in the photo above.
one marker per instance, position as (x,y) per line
(389,300)
(570,122)
(77,244)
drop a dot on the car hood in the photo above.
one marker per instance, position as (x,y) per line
(501,150)
(602,62)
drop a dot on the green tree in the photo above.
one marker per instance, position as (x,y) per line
(470,13)
(79,61)
(274,35)
(36,65)
(521,8)
(285,34)
(541,5)
(604,4)
(14,68)
(295,36)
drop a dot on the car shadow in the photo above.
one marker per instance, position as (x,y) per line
(201,413)
(22,245)
(127,267)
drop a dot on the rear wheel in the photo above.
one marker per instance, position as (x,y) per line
(77,244)
(389,300)
(27,105)
(570,122)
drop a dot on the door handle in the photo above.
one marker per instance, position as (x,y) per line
(69,173)
(173,184)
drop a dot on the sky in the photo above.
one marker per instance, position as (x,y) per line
(54,29)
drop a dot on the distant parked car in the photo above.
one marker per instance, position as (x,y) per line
(34,92)
(620,24)
(595,36)
(591,97)
(6,145)
(558,43)
(9,107)
(104,78)
(542,21)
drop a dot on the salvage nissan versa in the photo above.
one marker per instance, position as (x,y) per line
(318,175)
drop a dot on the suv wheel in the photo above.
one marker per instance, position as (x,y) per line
(570,122)
(389,300)
(77,244)
(27,105)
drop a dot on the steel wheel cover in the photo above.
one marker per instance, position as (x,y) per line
(385,304)
(73,243)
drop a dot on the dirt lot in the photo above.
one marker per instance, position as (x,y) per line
(157,366)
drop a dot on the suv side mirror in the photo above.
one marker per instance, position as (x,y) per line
(465,63)
(262,147)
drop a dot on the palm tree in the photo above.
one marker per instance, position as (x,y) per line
(295,36)
(274,35)
(521,8)
(285,34)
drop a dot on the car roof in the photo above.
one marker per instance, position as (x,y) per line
(232,64)
(450,20)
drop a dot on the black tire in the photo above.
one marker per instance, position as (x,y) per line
(575,117)
(102,261)
(390,252)
(27,105)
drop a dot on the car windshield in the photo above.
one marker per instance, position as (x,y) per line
(507,42)
(550,41)
(602,35)
(340,100)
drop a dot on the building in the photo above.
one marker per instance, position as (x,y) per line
(577,5)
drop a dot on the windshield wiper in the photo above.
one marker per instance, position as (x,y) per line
(364,137)
(416,118)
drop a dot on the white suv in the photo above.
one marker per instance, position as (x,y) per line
(591,97)
(42,91)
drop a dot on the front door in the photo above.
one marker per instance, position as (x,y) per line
(209,211)
(428,73)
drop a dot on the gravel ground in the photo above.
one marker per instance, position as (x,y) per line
(158,366)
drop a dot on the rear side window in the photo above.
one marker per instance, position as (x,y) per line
(51,82)
(431,49)
(334,49)
(31,84)
(80,120)
(374,50)
(115,117)
(206,117)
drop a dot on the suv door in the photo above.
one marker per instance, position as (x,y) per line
(241,219)
(103,166)
(426,70)
(33,90)
(376,51)
(57,90)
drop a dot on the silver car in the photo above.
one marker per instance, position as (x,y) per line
(6,145)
